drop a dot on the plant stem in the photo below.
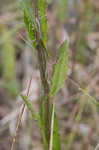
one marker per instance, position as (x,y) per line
(41,54)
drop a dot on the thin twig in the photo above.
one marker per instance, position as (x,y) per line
(84,91)
(97,147)
(27,42)
(20,117)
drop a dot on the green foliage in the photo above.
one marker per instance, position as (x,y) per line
(8,61)
(56,138)
(43,20)
(58,80)
(33,25)
(29,106)
(42,122)
(28,9)
(30,28)
(62,6)
(37,31)
(29,19)
(35,28)
(60,70)
(8,55)
(90,97)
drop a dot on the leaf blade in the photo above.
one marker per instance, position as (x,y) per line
(29,19)
(29,106)
(60,70)
(43,20)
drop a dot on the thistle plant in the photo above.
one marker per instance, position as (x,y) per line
(36,25)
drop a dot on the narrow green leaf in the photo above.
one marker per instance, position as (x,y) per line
(30,28)
(29,19)
(43,20)
(28,8)
(56,137)
(8,55)
(42,122)
(29,106)
(60,70)
(91,97)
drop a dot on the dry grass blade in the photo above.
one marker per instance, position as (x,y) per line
(52,128)
(97,147)
(20,117)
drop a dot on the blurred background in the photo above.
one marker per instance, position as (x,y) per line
(78,21)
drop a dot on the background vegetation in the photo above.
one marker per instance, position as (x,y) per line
(23,68)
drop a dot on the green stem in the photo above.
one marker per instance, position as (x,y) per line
(41,53)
